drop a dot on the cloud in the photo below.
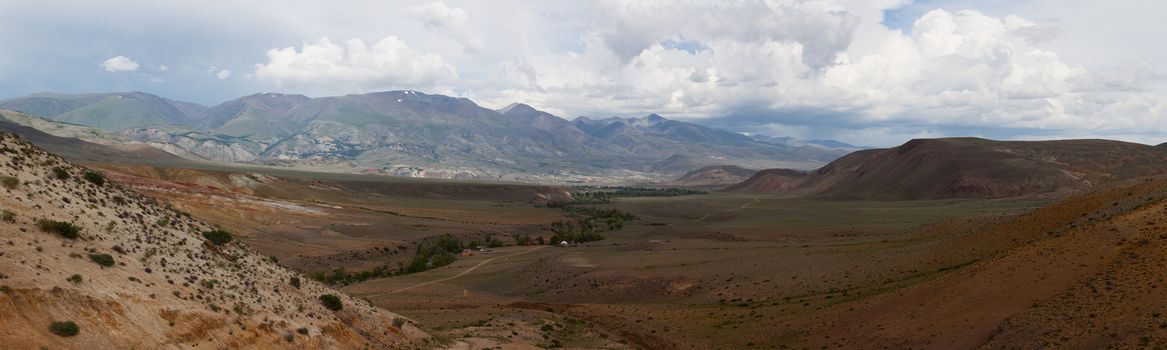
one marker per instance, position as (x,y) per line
(119,64)
(813,68)
(223,74)
(452,21)
(952,73)
(163,67)
(389,63)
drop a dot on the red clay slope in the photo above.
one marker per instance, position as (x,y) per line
(971,168)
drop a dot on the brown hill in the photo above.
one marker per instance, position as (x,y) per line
(769,181)
(975,168)
(714,175)
(1085,273)
(132,273)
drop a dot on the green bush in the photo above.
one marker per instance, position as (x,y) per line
(8,216)
(105,260)
(295,281)
(332,302)
(218,237)
(64,328)
(60,173)
(76,279)
(95,177)
(398,322)
(64,229)
(9,182)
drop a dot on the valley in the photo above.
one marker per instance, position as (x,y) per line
(763,263)
(726,258)
(623,175)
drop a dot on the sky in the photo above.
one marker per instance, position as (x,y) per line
(866,72)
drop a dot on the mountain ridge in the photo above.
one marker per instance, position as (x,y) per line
(410,133)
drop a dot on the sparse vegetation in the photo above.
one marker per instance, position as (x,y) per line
(64,328)
(587,224)
(438,253)
(218,237)
(75,278)
(332,302)
(295,281)
(9,182)
(8,216)
(105,260)
(601,195)
(61,228)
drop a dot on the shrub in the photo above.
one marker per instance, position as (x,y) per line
(64,229)
(8,216)
(105,260)
(95,177)
(64,328)
(76,279)
(218,237)
(295,281)
(332,302)
(60,173)
(9,182)
(398,322)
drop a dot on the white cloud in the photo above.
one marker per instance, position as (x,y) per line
(825,68)
(961,72)
(223,74)
(389,63)
(119,64)
(163,67)
(453,21)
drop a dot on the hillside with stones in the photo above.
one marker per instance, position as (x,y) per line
(87,263)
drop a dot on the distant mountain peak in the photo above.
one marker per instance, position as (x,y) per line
(517,107)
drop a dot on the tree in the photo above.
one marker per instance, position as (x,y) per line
(60,173)
(105,260)
(332,302)
(64,328)
(64,229)
(95,177)
(218,237)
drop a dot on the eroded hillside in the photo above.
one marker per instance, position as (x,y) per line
(133,273)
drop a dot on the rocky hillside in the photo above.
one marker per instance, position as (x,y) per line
(86,263)
(972,168)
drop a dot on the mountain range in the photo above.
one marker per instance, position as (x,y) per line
(409,133)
